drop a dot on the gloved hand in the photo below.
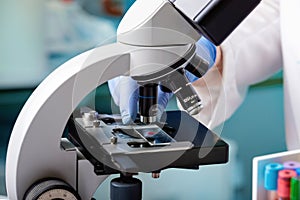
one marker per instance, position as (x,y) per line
(124,90)
(207,51)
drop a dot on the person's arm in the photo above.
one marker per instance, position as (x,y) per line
(251,54)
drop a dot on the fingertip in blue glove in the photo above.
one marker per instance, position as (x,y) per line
(124,91)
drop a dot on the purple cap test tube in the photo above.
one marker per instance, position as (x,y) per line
(293,165)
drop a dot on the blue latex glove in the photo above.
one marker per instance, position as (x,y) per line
(124,90)
(206,50)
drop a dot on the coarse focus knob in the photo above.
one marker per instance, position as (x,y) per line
(51,189)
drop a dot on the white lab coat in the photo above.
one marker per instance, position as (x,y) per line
(266,41)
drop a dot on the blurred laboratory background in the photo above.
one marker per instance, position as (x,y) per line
(36,36)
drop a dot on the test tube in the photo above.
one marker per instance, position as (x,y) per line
(291,165)
(284,183)
(271,176)
(295,188)
(298,171)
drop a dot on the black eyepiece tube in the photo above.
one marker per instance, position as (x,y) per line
(148,103)
(220,17)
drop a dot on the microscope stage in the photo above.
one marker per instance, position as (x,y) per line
(179,142)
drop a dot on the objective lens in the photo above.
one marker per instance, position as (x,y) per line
(180,86)
(148,103)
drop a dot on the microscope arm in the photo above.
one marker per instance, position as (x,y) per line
(34,150)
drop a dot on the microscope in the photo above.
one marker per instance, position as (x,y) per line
(155,46)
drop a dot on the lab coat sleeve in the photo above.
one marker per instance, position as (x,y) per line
(251,54)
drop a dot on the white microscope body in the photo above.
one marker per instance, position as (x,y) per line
(152,36)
